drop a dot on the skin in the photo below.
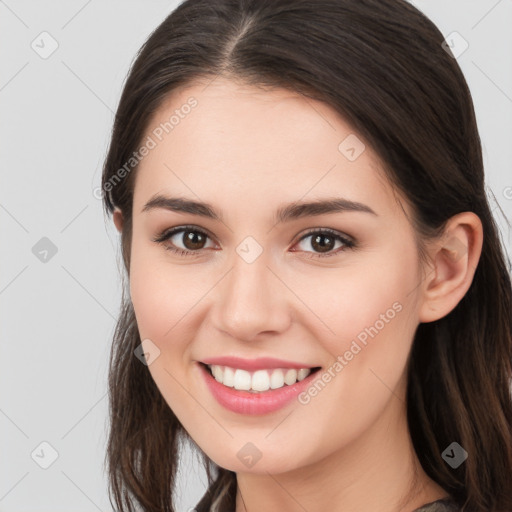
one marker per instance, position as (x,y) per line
(247,151)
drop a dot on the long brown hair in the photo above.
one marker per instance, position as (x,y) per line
(382,66)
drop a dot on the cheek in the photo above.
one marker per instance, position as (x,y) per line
(161,294)
(373,320)
(370,315)
(161,299)
(356,297)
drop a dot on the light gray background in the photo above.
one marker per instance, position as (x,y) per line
(58,316)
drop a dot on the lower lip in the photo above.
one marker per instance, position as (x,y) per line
(264,402)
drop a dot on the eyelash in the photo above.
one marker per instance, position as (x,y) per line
(166,234)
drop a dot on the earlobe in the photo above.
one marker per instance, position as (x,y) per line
(455,258)
(118,219)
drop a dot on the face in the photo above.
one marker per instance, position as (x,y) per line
(335,289)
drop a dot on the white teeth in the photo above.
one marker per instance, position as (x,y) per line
(290,377)
(260,380)
(302,373)
(242,380)
(276,380)
(217,373)
(228,378)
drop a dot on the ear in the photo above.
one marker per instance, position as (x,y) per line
(454,258)
(118,219)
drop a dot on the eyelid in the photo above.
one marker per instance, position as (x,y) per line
(346,238)
(167,233)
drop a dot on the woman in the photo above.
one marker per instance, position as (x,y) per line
(318,299)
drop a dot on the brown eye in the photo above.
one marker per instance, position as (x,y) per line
(183,240)
(193,240)
(324,241)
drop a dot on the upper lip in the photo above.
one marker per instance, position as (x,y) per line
(259,363)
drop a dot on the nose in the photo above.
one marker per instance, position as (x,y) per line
(251,300)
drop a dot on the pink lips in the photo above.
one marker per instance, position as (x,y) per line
(244,402)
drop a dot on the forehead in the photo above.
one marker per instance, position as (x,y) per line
(225,142)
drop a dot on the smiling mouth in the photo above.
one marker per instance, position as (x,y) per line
(259,381)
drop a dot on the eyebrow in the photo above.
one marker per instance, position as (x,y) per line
(285,213)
